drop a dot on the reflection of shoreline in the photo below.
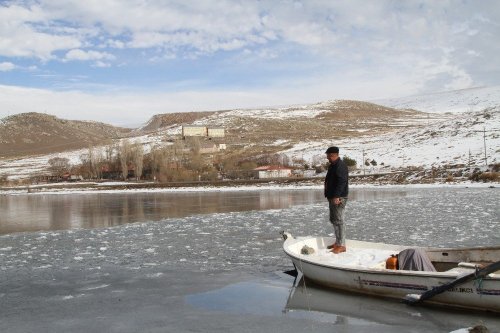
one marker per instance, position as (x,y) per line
(37,212)
(306,296)
(29,213)
(87,210)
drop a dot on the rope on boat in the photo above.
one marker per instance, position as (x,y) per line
(285,236)
(478,281)
(308,299)
(305,286)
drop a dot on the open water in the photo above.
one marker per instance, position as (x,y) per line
(212,262)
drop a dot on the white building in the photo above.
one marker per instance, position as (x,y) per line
(194,131)
(216,132)
(272,171)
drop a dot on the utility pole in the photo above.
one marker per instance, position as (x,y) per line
(469,158)
(484,141)
(485,155)
(364,172)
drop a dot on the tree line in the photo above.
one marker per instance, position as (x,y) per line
(180,161)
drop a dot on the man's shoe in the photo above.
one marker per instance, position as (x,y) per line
(334,245)
(339,249)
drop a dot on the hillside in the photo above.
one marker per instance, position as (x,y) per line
(326,120)
(168,119)
(464,100)
(393,138)
(456,139)
(36,133)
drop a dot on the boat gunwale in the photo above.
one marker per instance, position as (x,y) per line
(383,271)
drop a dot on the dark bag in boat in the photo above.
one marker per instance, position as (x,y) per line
(415,260)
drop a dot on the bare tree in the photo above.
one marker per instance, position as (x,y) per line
(248,165)
(85,167)
(59,165)
(177,154)
(195,146)
(96,161)
(164,161)
(110,152)
(124,157)
(90,161)
(196,162)
(137,157)
(155,161)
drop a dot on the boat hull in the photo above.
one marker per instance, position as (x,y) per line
(483,294)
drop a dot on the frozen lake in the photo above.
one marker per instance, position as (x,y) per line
(216,263)
(87,210)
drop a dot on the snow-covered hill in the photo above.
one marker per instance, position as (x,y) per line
(465,100)
(461,139)
(461,127)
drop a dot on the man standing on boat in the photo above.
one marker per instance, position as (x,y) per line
(336,191)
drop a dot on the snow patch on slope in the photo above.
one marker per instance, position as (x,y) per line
(459,140)
(465,100)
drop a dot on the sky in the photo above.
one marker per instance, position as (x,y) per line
(123,61)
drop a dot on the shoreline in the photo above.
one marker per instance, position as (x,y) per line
(221,186)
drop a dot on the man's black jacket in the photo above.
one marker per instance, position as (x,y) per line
(337,180)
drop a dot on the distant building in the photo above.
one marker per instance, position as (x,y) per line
(272,171)
(208,148)
(194,131)
(309,173)
(216,132)
(211,148)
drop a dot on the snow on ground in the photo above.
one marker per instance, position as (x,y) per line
(26,167)
(38,165)
(459,140)
(304,111)
(465,100)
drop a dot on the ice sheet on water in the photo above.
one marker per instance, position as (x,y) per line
(227,241)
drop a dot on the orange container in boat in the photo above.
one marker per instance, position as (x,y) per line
(392,262)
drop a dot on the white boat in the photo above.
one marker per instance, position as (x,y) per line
(458,280)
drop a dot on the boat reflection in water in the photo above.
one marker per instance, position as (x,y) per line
(346,308)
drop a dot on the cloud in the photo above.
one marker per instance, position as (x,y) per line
(132,108)
(254,52)
(209,26)
(6,66)
(81,55)
(24,33)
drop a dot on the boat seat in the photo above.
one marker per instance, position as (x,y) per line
(460,270)
(465,270)
(468,265)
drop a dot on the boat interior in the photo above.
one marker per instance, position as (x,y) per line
(463,258)
(453,260)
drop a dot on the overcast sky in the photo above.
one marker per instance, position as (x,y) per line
(122,61)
